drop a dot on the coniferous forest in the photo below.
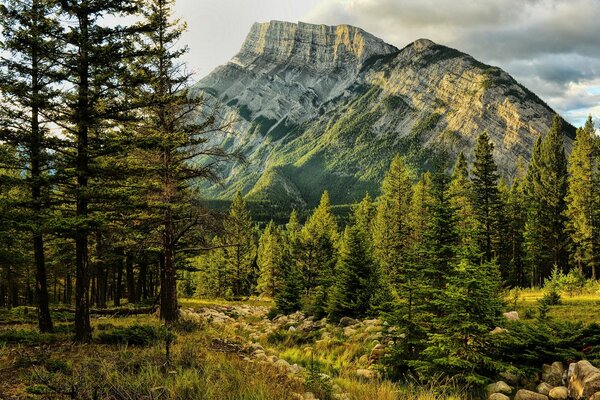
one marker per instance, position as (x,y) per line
(106,239)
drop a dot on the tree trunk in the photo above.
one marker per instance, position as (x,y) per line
(142,289)
(130,279)
(118,286)
(168,287)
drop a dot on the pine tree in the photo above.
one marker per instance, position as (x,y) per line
(27,83)
(241,251)
(391,230)
(516,213)
(582,188)
(270,259)
(354,279)
(470,307)
(287,300)
(485,188)
(318,239)
(173,131)
(545,234)
(536,255)
(94,59)
(363,217)
(461,198)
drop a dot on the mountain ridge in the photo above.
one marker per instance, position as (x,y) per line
(319,107)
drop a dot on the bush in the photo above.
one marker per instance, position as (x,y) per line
(136,335)
(551,298)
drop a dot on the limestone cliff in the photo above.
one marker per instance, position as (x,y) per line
(318,107)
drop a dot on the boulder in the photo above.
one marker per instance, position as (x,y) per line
(584,381)
(544,388)
(366,373)
(510,377)
(511,315)
(281,363)
(559,393)
(377,352)
(498,387)
(553,374)
(294,369)
(529,395)
(497,330)
(349,331)
(292,329)
(498,396)
(347,321)
(595,396)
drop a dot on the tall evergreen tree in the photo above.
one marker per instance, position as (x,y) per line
(172,132)
(536,255)
(516,213)
(354,279)
(287,300)
(270,259)
(461,198)
(95,56)
(485,188)
(27,81)
(240,253)
(319,238)
(391,229)
(582,190)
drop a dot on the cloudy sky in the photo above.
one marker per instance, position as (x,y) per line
(551,46)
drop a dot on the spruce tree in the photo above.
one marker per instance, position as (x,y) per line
(461,199)
(287,299)
(94,58)
(318,239)
(545,234)
(240,250)
(173,131)
(536,254)
(470,307)
(354,279)
(391,226)
(28,79)
(582,188)
(485,188)
(270,259)
(516,213)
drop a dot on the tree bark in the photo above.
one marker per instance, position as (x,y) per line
(168,287)
(118,286)
(130,279)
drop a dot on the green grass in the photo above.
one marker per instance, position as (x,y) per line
(583,307)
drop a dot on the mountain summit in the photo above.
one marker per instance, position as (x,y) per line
(319,107)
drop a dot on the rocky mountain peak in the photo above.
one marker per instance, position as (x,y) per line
(308,45)
(422,44)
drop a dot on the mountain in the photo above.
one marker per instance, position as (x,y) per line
(315,107)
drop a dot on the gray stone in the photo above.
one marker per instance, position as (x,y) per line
(524,394)
(511,315)
(584,381)
(544,388)
(498,396)
(559,393)
(553,374)
(498,387)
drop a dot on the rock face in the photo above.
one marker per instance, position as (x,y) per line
(584,380)
(315,107)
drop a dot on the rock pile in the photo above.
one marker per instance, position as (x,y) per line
(580,381)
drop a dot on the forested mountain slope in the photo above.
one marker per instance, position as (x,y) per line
(320,107)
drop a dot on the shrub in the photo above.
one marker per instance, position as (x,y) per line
(317,382)
(136,335)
